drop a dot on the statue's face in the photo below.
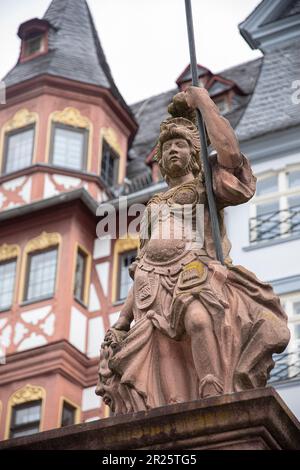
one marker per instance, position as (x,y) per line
(176,155)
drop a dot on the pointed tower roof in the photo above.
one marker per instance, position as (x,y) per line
(74,50)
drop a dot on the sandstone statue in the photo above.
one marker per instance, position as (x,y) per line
(191,327)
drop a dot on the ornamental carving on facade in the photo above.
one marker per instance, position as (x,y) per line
(22,118)
(43,241)
(27,393)
(111,138)
(9,251)
(71,117)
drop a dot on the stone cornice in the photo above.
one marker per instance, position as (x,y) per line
(46,168)
(59,357)
(272,145)
(60,86)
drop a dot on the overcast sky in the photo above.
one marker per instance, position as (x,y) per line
(145,41)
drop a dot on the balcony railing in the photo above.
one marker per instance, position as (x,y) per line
(272,225)
(287,367)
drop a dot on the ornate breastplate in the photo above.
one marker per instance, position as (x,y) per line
(168,239)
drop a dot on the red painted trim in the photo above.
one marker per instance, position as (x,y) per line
(219,78)
(185,70)
(56,357)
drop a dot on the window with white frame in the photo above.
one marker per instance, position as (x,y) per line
(7,283)
(18,149)
(275,211)
(287,364)
(69,147)
(125,281)
(41,274)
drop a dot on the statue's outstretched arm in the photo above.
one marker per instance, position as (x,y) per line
(220,132)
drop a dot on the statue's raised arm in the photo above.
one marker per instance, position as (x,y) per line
(200,328)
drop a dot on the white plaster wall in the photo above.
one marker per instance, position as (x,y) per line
(94,418)
(271,262)
(90,400)
(67,182)
(33,341)
(25,192)
(2,199)
(20,332)
(276,164)
(5,334)
(34,316)
(102,247)
(94,301)
(113,317)
(95,336)
(290,393)
(78,329)
(49,188)
(12,205)
(103,274)
(12,185)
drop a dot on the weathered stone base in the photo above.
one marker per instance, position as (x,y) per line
(255,419)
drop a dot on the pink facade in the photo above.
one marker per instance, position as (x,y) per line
(50,346)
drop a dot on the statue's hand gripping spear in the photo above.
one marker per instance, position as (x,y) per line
(202,134)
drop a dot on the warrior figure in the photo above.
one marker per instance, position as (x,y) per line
(191,327)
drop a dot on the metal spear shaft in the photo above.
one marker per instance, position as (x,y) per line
(206,165)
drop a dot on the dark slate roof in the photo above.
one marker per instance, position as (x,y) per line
(218,87)
(75,51)
(186,75)
(271,107)
(244,75)
(150,112)
(293,9)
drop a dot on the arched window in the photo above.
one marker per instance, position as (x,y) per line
(25,411)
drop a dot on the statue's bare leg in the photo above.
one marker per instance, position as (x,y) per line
(173,382)
(199,327)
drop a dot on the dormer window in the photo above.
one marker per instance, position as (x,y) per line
(33,45)
(34,35)
(185,78)
(223,105)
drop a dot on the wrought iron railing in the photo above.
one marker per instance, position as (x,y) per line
(287,367)
(273,225)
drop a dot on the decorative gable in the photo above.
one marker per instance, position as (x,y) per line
(272,22)
(34,36)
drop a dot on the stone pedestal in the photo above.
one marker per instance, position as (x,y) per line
(255,419)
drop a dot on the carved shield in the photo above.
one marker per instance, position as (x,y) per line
(145,288)
(192,275)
